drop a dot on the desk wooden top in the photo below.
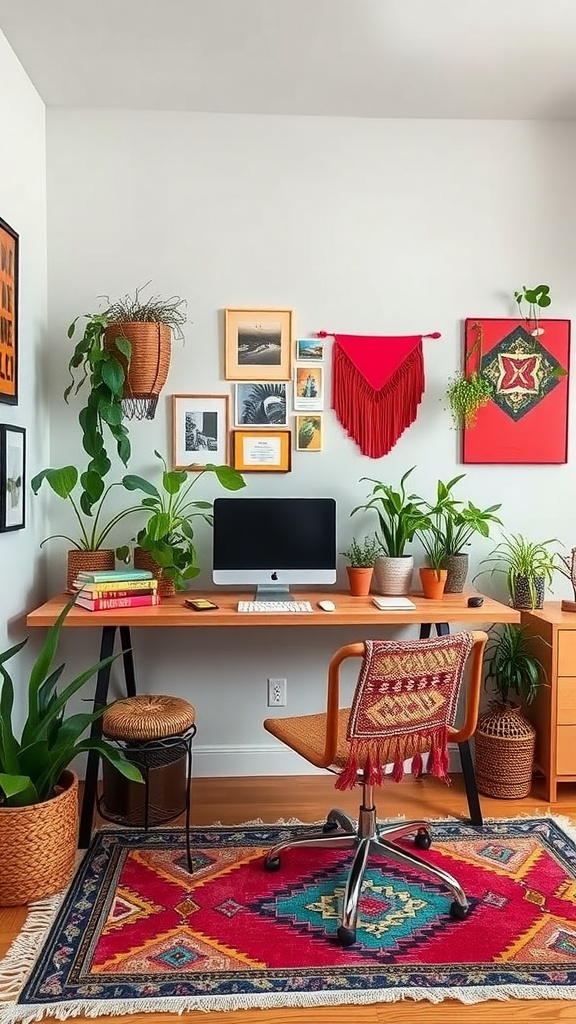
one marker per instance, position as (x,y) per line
(350,611)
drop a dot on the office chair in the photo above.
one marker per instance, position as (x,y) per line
(404,706)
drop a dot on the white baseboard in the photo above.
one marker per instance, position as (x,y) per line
(212,762)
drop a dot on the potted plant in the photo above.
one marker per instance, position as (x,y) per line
(456,522)
(361,556)
(166,543)
(469,390)
(433,575)
(504,740)
(567,566)
(38,792)
(535,298)
(398,514)
(528,567)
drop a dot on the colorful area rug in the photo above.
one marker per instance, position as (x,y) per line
(136,932)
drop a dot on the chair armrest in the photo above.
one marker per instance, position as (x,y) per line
(333,696)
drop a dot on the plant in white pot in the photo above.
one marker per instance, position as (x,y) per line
(398,514)
(38,792)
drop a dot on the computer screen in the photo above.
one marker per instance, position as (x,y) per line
(274,543)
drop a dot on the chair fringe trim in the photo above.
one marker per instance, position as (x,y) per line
(370,756)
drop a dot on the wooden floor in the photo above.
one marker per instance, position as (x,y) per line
(232,801)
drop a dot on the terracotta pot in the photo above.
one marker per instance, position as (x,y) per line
(38,845)
(433,582)
(457,568)
(87,561)
(359,580)
(393,576)
(143,560)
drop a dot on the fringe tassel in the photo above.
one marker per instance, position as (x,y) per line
(376,419)
(373,755)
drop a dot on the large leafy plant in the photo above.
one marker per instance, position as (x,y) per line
(455,521)
(398,513)
(31,766)
(169,531)
(511,667)
(93,531)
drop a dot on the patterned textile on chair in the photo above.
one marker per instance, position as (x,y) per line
(405,700)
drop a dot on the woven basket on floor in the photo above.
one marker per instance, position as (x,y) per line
(87,561)
(151,346)
(38,845)
(504,744)
(143,560)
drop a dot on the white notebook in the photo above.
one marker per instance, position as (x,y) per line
(393,604)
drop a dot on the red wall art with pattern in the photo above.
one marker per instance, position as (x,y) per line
(526,420)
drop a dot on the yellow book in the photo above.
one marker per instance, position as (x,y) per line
(103,588)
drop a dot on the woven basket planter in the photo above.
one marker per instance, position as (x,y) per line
(143,560)
(504,744)
(393,576)
(524,598)
(146,375)
(457,568)
(87,561)
(38,845)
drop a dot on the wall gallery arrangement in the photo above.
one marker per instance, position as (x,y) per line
(8,314)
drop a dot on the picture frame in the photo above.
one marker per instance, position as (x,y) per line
(258,344)
(262,451)
(200,430)
(9,257)
(12,477)
(261,404)
(310,350)
(308,388)
(309,432)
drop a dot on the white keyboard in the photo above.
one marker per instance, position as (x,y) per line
(276,607)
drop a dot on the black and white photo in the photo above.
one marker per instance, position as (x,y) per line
(261,404)
(200,430)
(12,477)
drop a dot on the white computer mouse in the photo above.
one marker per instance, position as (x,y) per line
(327,606)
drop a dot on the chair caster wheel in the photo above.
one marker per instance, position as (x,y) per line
(423,839)
(329,826)
(272,863)
(458,912)
(345,936)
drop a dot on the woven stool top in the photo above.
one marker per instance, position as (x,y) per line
(148,717)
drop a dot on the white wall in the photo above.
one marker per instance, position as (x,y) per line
(23,206)
(360,226)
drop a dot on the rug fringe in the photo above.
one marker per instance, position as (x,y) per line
(15,967)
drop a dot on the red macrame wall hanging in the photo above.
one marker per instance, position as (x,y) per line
(377,385)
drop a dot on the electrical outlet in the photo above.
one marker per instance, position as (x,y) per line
(277,693)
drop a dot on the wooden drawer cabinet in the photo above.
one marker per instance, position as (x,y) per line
(553,639)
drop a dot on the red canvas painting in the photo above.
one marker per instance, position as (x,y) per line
(526,420)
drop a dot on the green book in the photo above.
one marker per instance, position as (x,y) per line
(115,575)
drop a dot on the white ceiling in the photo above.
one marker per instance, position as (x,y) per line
(362,58)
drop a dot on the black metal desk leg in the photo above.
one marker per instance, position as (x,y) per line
(470,783)
(128,661)
(100,698)
(425,630)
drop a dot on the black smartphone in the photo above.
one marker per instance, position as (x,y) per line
(200,604)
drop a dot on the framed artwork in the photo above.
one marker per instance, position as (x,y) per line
(310,349)
(308,433)
(261,404)
(309,388)
(12,477)
(200,430)
(526,419)
(258,344)
(8,314)
(262,451)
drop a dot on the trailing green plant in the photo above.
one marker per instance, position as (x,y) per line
(469,390)
(511,667)
(519,559)
(536,299)
(92,531)
(398,514)
(31,766)
(156,310)
(455,521)
(168,534)
(361,553)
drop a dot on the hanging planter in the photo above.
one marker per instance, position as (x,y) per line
(469,391)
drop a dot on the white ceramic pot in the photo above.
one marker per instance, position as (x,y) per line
(393,576)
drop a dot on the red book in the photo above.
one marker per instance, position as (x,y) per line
(89,594)
(101,604)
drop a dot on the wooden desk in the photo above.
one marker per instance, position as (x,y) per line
(350,611)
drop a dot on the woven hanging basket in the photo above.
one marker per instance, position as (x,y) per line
(143,560)
(87,561)
(38,845)
(504,744)
(151,345)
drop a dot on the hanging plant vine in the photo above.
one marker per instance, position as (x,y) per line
(468,391)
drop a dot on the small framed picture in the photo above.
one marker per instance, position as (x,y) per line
(9,243)
(200,430)
(262,451)
(309,388)
(260,404)
(308,433)
(12,477)
(310,349)
(258,344)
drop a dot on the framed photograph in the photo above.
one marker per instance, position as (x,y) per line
(308,433)
(8,315)
(261,405)
(310,349)
(12,477)
(262,451)
(309,388)
(200,430)
(258,344)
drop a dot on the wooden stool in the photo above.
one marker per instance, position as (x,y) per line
(155,732)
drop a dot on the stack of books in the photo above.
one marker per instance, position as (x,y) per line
(119,588)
